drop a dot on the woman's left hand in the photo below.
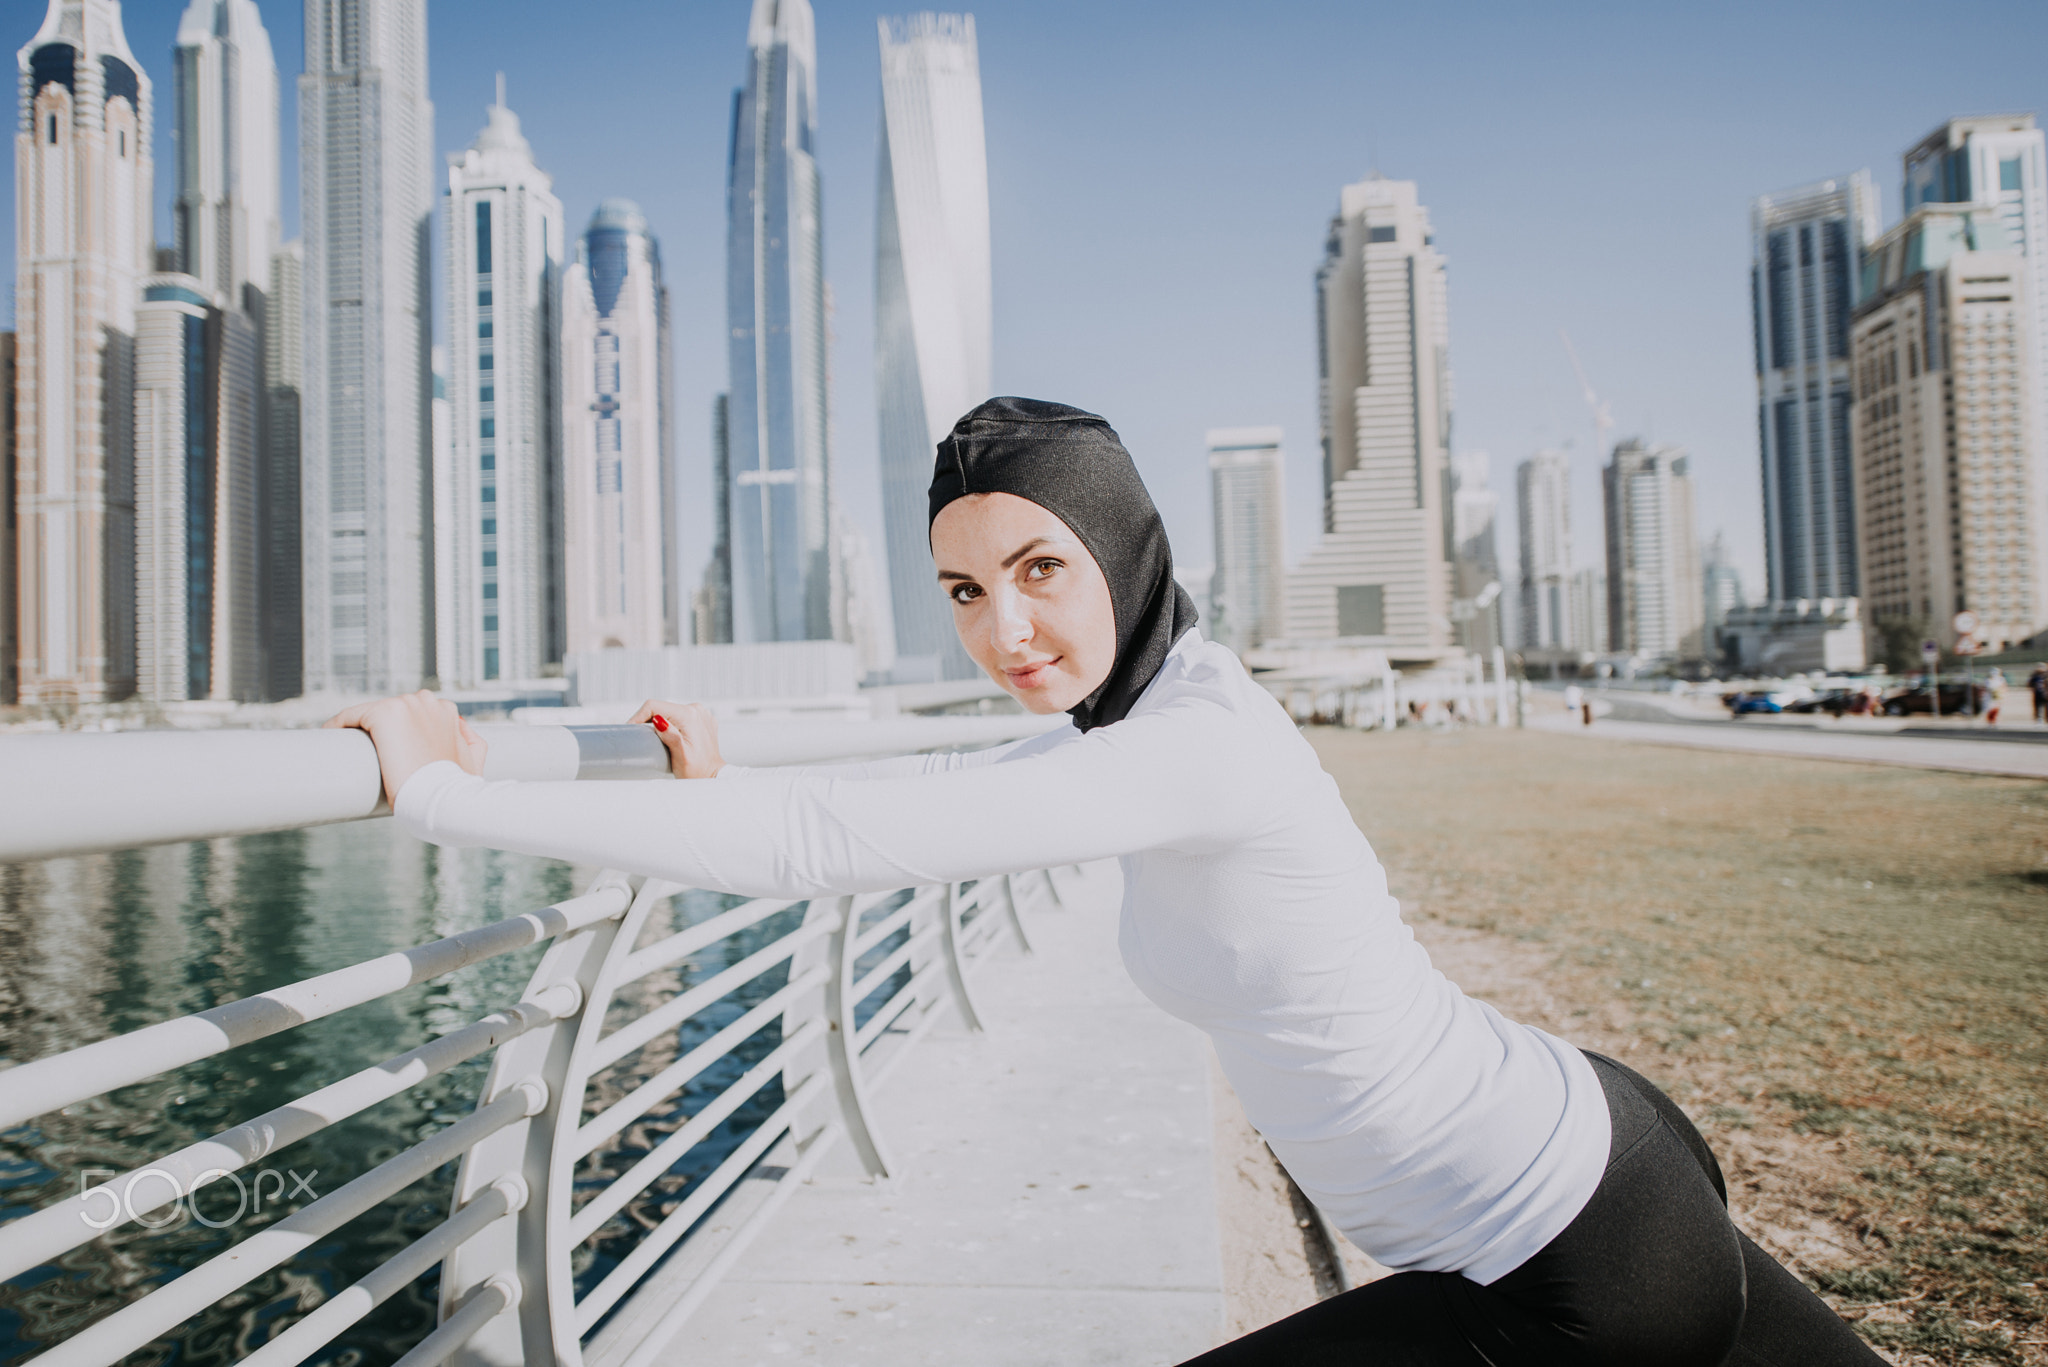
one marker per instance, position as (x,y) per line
(411,732)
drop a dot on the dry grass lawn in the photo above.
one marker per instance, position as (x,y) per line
(1840,971)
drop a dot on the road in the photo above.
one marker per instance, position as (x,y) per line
(1980,751)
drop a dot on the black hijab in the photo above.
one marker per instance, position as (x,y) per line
(1072,464)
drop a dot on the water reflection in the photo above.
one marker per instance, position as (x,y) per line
(109,943)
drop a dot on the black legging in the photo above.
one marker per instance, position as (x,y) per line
(1651,1272)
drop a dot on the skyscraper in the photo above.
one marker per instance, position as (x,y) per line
(933,310)
(1950,484)
(620,556)
(197,495)
(498,494)
(777,440)
(366,139)
(1382,571)
(214,314)
(226,210)
(284,369)
(8,649)
(1475,561)
(83,179)
(1655,606)
(1996,160)
(1544,515)
(1247,497)
(1721,587)
(1805,248)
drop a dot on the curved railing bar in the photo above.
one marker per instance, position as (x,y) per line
(38,1238)
(672,1079)
(953,939)
(65,1079)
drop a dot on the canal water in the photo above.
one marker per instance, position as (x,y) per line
(98,946)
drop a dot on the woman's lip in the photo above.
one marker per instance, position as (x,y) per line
(1029,675)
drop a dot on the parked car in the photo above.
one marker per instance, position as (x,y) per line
(1835,702)
(1743,704)
(1958,699)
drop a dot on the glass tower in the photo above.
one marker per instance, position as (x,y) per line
(777,444)
(1805,248)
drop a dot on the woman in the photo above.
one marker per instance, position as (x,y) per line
(1537,1204)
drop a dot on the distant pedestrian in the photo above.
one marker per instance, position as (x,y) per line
(2038,682)
(1575,701)
(1994,685)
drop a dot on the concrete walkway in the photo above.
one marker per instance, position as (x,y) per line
(1981,755)
(1055,1202)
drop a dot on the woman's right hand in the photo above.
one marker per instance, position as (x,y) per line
(691,734)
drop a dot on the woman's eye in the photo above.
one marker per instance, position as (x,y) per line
(1040,569)
(966,593)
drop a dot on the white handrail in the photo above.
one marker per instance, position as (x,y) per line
(81,794)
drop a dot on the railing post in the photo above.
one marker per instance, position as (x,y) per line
(812,1005)
(842,1043)
(514,1245)
(1016,917)
(956,966)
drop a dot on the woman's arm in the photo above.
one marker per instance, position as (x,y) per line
(911,766)
(1163,779)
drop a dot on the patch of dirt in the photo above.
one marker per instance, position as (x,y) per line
(1840,971)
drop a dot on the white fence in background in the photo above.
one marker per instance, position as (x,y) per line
(1389,701)
(861,979)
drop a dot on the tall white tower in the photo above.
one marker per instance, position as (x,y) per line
(366,138)
(82,178)
(497,494)
(226,212)
(1544,515)
(1382,572)
(1655,606)
(933,310)
(619,542)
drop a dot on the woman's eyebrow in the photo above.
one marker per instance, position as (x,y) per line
(1033,544)
(1012,558)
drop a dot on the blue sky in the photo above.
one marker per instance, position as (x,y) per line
(1162,175)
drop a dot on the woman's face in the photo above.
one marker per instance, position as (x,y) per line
(1029,601)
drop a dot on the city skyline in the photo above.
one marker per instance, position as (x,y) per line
(1166,364)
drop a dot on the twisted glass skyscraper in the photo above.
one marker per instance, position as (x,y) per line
(932,301)
(778,460)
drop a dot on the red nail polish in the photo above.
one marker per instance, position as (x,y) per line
(660,722)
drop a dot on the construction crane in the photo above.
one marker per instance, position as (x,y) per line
(1603,419)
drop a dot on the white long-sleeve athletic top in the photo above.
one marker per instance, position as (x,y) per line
(1436,1133)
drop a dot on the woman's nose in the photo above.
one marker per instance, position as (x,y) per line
(1010,625)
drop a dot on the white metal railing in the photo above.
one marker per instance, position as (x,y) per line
(81,794)
(853,983)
